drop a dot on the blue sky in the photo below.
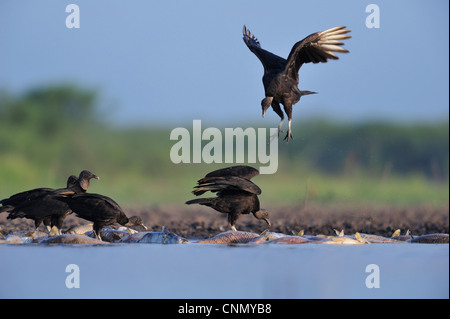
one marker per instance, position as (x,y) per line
(170,62)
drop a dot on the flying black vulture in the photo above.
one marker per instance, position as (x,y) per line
(281,75)
(236,194)
(44,207)
(100,209)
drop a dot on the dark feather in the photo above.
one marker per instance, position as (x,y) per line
(281,78)
(235,193)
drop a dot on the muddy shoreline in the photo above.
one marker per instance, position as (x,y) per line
(203,222)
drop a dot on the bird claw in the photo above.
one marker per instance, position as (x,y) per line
(288,136)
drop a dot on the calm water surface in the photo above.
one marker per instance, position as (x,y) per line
(221,271)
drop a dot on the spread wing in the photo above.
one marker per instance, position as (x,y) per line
(229,183)
(315,48)
(269,60)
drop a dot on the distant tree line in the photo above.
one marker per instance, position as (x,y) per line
(377,148)
(63,124)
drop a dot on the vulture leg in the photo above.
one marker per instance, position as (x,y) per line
(232,220)
(289,133)
(277,109)
(97,231)
(288,110)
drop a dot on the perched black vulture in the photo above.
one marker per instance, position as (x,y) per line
(24,198)
(100,209)
(8,204)
(80,186)
(46,208)
(281,75)
(236,194)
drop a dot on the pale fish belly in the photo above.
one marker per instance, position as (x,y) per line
(289,240)
(80,229)
(339,241)
(72,239)
(11,239)
(374,239)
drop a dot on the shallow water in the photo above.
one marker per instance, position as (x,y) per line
(222,271)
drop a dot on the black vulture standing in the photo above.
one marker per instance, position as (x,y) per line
(100,209)
(8,204)
(236,194)
(24,198)
(281,76)
(47,208)
(80,186)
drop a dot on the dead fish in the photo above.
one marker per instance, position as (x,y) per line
(148,237)
(110,235)
(23,237)
(27,233)
(71,239)
(266,236)
(315,238)
(127,229)
(397,236)
(341,240)
(289,240)
(230,237)
(402,237)
(430,239)
(375,239)
(80,229)
(11,239)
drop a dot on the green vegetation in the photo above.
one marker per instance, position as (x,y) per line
(50,133)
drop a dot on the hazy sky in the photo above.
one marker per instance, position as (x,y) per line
(174,61)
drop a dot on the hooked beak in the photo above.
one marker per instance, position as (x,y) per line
(264,113)
(268,222)
(96,177)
